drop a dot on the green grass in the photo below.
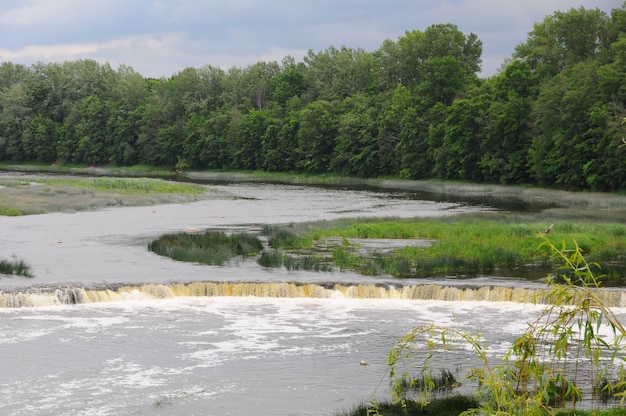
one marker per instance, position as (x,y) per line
(210,247)
(452,406)
(15,267)
(447,406)
(132,185)
(39,195)
(10,212)
(463,245)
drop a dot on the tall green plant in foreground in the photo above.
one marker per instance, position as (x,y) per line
(570,352)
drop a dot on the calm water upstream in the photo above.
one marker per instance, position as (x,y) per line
(161,352)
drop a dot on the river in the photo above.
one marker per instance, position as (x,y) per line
(106,327)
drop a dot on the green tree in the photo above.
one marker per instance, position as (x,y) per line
(334,74)
(86,138)
(316,136)
(565,39)
(436,42)
(249,155)
(288,83)
(507,132)
(357,148)
(15,116)
(566,114)
(460,153)
(41,137)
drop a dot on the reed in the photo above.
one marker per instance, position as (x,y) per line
(16,267)
(210,247)
(289,262)
(465,245)
(442,383)
(446,406)
(289,236)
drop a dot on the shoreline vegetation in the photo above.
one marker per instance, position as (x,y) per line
(612,203)
(40,194)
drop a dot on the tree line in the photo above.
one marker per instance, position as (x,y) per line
(415,108)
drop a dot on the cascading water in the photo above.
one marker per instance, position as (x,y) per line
(74,295)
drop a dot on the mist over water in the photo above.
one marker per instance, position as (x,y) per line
(143,342)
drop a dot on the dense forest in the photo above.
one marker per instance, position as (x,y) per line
(414,108)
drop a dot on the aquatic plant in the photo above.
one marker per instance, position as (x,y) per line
(290,262)
(16,267)
(445,406)
(577,336)
(463,246)
(210,247)
(446,381)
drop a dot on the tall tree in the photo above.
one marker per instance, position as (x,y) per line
(316,136)
(436,42)
(565,39)
(357,149)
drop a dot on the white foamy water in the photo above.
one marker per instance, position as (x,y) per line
(222,356)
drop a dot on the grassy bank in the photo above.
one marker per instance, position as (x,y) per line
(130,185)
(613,205)
(449,406)
(43,194)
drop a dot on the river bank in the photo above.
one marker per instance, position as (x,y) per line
(597,206)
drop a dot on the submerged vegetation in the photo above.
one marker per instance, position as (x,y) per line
(210,247)
(16,267)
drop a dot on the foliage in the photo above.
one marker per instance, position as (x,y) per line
(210,247)
(413,108)
(543,372)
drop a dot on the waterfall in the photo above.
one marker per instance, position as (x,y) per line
(77,295)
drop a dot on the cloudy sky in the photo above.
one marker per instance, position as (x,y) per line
(159,38)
